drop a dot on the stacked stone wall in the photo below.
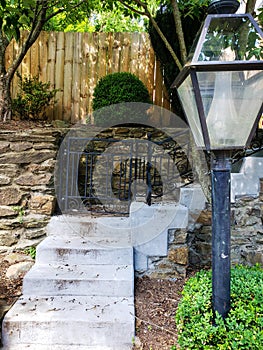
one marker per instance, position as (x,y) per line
(27,198)
(27,201)
(246,233)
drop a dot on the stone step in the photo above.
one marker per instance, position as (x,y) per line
(77,251)
(114,280)
(59,322)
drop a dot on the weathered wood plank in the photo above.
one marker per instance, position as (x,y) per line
(68,73)
(51,67)
(59,75)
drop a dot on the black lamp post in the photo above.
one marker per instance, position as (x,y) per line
(221,91)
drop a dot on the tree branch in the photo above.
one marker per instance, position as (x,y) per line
(179,29)
(250,6)
(147,13)
(142,13)
(166,43)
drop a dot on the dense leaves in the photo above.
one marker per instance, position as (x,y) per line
(33,98)
(114,89)
(242,329)
(15,16)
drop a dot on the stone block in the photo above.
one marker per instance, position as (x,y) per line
(4,180)
(42,204)
(35,233)
(253,257)
(7,211)
(4,146)
(35,221)
(44,145)
(21,146)
(179,255)
(19,269)
(9,237)
(47,166)
(10,170)
(205,217)
(14,258)
(27,157)
(177,236)
(10,196)
(30,179)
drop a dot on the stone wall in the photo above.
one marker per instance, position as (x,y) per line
(246,233)
(27,197)
(27,201)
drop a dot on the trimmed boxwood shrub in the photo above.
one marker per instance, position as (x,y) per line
(114,89)
(243,327)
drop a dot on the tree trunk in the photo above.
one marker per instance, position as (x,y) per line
(250,7)
(5,98)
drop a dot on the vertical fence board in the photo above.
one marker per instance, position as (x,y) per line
(51,65)
(125,52)
(134,53)
(83,88)
(76,78)
(151,71)
(59,75)
(116,49)
(110,49)
(93,63)
(34,59)
(25,66)
(43,56)
(103,51)
(74,62)
(67,90)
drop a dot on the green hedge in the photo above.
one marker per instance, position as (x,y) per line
(243,327)
(118,88)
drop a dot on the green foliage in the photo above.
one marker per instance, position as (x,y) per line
(242,329)
(33,98)
(114,89)
(117,21)
(77,21)
(100,16)
(192,14)
(31,251)
(260,17)
(26,14)
(20,212)
(15,16)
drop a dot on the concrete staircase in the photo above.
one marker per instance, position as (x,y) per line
(78,295)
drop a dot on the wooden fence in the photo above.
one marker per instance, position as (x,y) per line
(73,63)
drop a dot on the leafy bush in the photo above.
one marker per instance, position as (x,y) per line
(31,251)
(114,89)
(243,327)
(33,98)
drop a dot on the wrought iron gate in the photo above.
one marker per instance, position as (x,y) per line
(105,175)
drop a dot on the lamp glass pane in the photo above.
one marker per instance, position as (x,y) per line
(187,97)
(232,101)
(231,39)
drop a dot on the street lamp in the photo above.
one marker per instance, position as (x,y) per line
(221,91)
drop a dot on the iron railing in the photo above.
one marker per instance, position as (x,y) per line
(106,175)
